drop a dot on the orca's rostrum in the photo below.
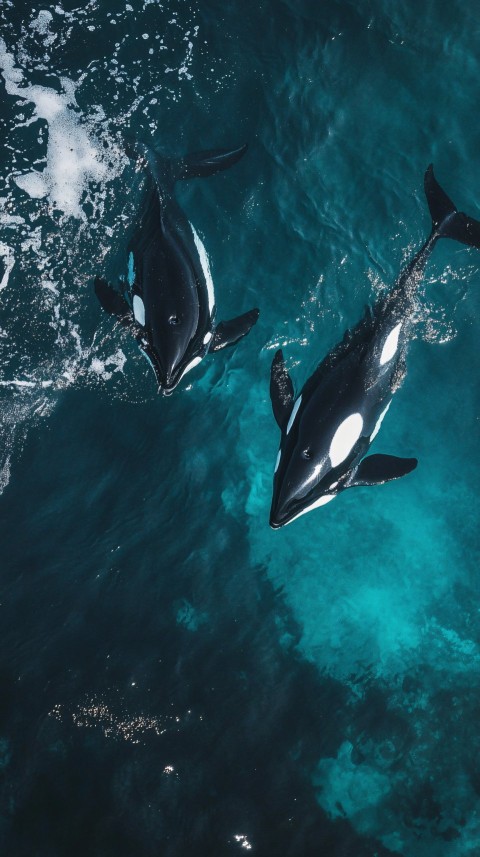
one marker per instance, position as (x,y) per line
(167,298)
(328,429)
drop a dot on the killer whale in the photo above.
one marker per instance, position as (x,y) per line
(167,298)
(328,429)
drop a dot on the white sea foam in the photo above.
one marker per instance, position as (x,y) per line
(41,25)
(105,368)
(73,156)
(7,219)
(8,256)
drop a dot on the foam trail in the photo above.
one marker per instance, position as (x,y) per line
(9,260)
(73,157)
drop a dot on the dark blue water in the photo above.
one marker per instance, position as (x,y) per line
(175,677)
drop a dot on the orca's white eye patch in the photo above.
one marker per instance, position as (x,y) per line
(345,438)
(139,310)
(390,345)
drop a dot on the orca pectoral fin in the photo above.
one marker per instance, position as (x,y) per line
(377,469)
(207,163)
(281,390)
(229,332)
(111,300)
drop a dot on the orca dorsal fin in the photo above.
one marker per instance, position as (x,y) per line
(377,469)
(207,163)
(229,332)
(111,300)
(281,390)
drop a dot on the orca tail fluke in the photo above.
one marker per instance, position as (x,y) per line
(208,162)
(447,222)
(166,171)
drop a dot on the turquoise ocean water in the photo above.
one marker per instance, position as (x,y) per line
(175,677)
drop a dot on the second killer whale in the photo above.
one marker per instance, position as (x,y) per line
(167,298)
(327,430)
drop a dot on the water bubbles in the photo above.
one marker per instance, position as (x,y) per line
(112,717)
(243,841)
